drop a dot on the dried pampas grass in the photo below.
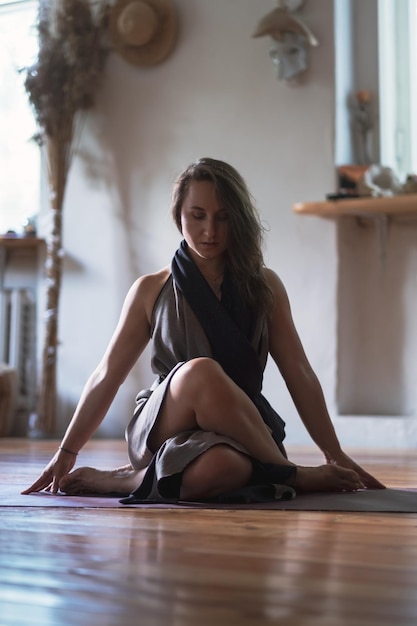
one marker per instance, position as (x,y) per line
(62,85)
(66,75)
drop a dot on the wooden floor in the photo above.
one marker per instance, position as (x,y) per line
(67,566)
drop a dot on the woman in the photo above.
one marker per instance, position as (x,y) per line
(204,430)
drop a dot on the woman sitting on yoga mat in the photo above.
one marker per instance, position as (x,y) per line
(204,430)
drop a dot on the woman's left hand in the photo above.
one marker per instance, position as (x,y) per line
(344,460)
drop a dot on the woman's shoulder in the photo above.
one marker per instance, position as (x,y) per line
(154,280)
(148,282)
(272,279)
(146,289)
(276,285)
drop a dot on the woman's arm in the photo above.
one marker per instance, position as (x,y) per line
(303,385)
(126,345)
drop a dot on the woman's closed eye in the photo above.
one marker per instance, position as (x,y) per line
(223,217)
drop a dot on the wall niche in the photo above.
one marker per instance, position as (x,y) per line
(377,309)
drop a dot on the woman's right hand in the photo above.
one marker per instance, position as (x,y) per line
(58,467)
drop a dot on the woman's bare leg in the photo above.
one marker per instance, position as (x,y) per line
(222,468)
(218,470)
(122,480)
(202,396)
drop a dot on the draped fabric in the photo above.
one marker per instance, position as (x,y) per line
(190,321)
(228,324)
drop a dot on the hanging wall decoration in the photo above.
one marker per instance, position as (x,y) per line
(292,40)
(143,32)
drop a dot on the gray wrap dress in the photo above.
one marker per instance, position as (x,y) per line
(177,336)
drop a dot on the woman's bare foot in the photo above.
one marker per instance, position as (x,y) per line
(327,478)
(122,480)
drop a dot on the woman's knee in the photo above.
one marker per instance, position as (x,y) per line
(203,380)
(201,371)
(220,469)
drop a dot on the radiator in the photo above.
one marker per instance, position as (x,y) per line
(18,341)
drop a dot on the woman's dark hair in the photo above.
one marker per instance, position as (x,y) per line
(245,231)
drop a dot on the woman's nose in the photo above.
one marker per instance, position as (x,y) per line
(210,227)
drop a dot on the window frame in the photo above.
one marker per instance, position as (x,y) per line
(397,54)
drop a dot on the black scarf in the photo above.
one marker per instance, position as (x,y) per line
(228,324)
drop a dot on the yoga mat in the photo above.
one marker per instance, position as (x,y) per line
(371,501)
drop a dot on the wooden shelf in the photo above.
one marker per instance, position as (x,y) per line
(21,242)
(360,207)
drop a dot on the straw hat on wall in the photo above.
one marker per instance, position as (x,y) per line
(143,32)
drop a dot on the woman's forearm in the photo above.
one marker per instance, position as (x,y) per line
(310,403)
(95,401)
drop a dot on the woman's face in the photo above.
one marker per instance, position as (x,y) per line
(204,222)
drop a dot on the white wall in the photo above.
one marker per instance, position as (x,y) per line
(218,96)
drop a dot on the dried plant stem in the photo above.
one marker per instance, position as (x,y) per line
(59,161)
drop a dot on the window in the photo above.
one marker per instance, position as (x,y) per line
(398,84)
(376,51)
(19,155)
